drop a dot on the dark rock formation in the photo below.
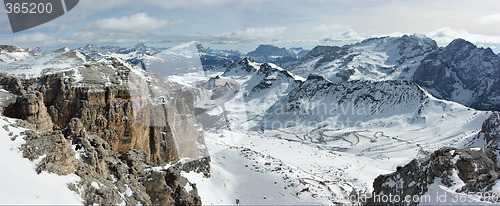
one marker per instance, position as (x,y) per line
(477,169)
(489,136)
(463,73)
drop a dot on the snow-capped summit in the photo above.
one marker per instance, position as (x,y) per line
(320,51)
(277,55)
(459,72)
(140,46)
(22,64)
(181,59)
(372,59)
(242,68)
(216,58)
(463,73)
(10,54)
(90,47)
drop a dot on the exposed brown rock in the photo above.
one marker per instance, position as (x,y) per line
(119,132)
(31,107)
(59,157)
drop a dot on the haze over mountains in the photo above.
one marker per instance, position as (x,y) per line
(283,126)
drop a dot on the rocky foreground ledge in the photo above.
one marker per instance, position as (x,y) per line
(448,175)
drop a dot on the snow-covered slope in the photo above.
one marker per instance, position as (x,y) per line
(323,141)
(246,86)
(30,66)
(9,54)
(20,182)
(372,59)
(370,117)
(277,55)
(460,72)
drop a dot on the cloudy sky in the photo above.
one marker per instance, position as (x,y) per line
(242,24)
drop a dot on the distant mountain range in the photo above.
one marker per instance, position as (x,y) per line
(459,72)
(317,126)
(277,55)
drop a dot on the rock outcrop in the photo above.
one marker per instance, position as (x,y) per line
(476,169)
(489,136)
(104,121)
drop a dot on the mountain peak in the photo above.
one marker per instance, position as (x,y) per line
(140,46)
(461,43)
(316,77)
(267,49)
(321,50)
(463,48)
(9,48)
(90,46)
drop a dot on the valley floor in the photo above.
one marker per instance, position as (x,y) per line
(275,167)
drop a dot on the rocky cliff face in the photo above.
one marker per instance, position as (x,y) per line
(489,136)
(490,131)
(273,54)
(113,125)
(463,73)
(460,170)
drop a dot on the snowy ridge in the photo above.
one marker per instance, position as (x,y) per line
(35,66)
(459,72)
(280,56)
(372,59)
(9,54)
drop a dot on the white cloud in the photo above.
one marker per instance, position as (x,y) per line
(336,33)
(446,35)
(258,32)
(248,35)
(139,22)
(37,37)
(203,4)
(251,35)
(328,28)
(491,19)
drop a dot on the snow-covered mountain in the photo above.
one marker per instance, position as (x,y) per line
(274,137)
(459,72)
(463,73)
(317,140)
(10,54)
(372,59)
(23,64)
(277,55)
(95,131)
(133,54)
(214,58)
(448,176)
